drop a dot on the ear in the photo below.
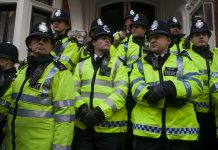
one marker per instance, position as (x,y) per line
(67,27)
(169,39)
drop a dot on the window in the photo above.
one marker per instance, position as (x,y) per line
(40,16)
(7,22)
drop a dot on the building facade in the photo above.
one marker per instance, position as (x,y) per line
(17,16)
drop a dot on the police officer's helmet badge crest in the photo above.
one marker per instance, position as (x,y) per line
(175,20)
(106,28)
(136,18)
(42,27)
(154,25)
(132,12)
(99,22)
(199,24)
(58,13)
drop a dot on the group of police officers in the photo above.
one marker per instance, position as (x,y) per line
(147,87)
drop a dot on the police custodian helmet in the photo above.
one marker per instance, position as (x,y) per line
(8,50)
(140,19)
(60,15)
(160,27)
(95,24)
(199,26)
(102,30)
(40,29)
(174,22)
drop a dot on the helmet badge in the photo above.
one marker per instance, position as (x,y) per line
(132,12)
(42,27)
(154,25)
(175,20)
(136,18)
(58,13)
(105,27)
(199,24)
(99,22)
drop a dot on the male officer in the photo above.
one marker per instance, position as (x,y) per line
(202,58)
(162,84)
(8,58)
(180,42)
(41,114)
(66,49)
(102,83)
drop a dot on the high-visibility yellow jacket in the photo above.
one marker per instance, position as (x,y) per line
(202,102)
(129,52)
(68,53)
(107,91)
(41,116)
(214,86)
(178,123)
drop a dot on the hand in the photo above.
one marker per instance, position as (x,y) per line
(82,111)
(93,117)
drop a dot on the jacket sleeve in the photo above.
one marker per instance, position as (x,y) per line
(214,77)
(63,102)
(188,83)
(70,56)
(138,83)
(117,99)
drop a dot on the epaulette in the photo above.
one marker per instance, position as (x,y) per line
(60,65)
(73,39)
(185,54)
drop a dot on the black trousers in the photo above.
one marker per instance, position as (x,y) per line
(141,143)
(207,135)
(90,140)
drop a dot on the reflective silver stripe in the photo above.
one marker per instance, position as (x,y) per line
(81,69)
(214,75)
(190,74)
(47,84)
(63,103)
(188,88)
(119,83)
(111,103)
(134,57)
(140,67)
(32,99)
(64,118)
(173,52)
(96,95)
(65,58)
(180,67)
(117,65)
(77,84)
(4,103)
(121,57)
(214,87)
(129,66)
(138,90)
(120,92)
(32,113)
(59,147)
(203,72)
(136,80)
(97,82)
(77,98)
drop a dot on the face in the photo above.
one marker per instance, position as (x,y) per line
(138,30)
(5,63)
(200,39)
(102,44)
(40,46)
(60,26)
(159,44)
(128,22)
(175,30)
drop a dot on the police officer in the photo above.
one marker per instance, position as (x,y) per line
(41,114)
(214,88)
(66,49)
(85,51)
(202,57)
(8,58)
(137,45)
(102,83)
(123,35)
(180,42)
(162,83)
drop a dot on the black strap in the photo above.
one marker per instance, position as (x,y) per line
(60,65)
